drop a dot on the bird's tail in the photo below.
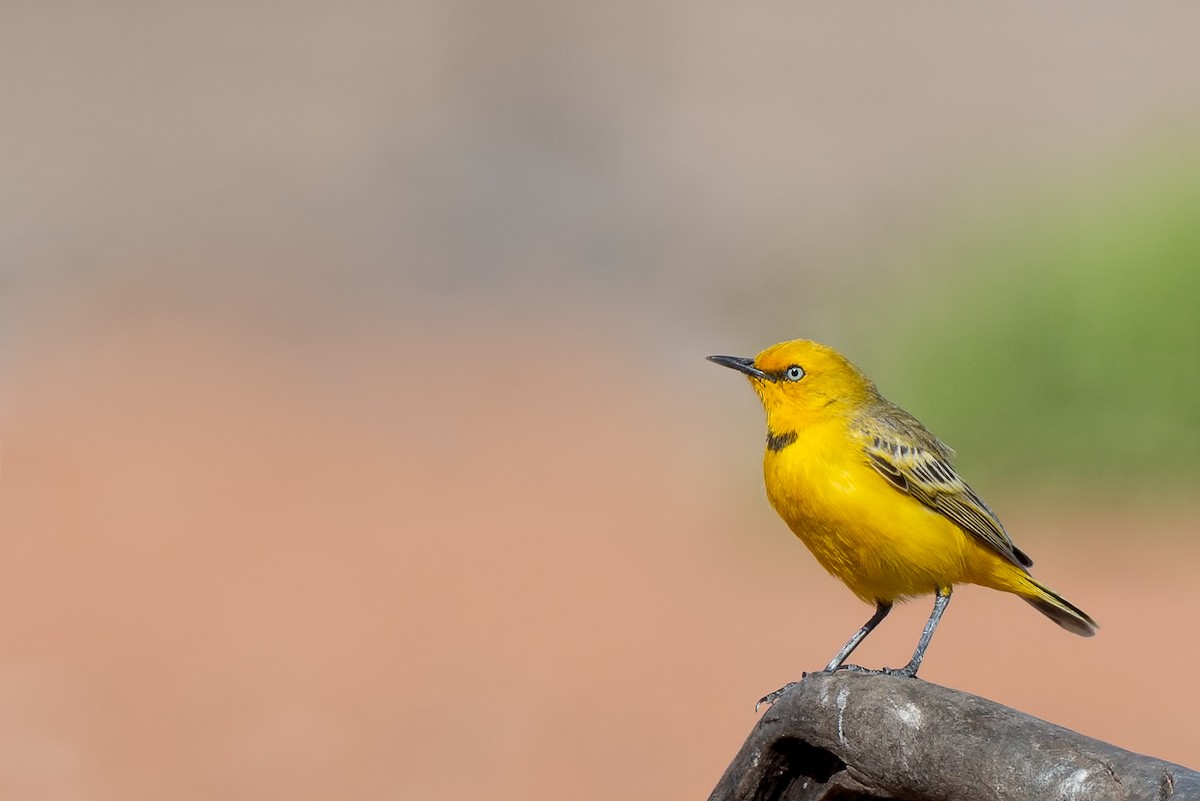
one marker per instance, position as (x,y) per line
(1057,608)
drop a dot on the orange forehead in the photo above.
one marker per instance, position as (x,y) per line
(807,354)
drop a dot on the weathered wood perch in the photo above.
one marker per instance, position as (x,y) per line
(854,737)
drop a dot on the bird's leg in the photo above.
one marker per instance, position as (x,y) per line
(881,611)
(939,606)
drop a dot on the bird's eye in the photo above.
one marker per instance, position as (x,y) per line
(794,373)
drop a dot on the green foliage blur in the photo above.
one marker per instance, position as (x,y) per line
(1057,345)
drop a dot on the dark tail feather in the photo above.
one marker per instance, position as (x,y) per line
(1060,610)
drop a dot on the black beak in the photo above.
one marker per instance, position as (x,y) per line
(742,365)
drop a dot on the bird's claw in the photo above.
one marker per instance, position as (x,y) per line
(909,671)
(906,672)
(854,669)
(770,698)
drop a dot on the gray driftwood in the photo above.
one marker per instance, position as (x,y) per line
(849,737)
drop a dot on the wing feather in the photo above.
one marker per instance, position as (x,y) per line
(917,463)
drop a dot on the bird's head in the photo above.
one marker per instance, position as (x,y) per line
(800,381)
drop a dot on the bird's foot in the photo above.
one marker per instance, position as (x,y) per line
(907,672)
(855,669)
(771,698)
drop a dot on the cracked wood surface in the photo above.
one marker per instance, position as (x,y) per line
(850,736)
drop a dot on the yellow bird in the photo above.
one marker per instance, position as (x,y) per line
(872,494)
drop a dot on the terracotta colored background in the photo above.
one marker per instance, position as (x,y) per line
(413,573)
(357,438)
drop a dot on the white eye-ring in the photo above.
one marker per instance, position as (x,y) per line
(794,373)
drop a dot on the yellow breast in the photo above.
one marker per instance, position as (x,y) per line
(883,544)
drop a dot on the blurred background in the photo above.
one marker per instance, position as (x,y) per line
(357,438)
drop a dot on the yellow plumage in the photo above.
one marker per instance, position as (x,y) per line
(873,495)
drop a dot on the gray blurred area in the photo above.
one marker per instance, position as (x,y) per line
(333,157)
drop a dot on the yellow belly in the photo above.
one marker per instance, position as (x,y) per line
(883,544)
